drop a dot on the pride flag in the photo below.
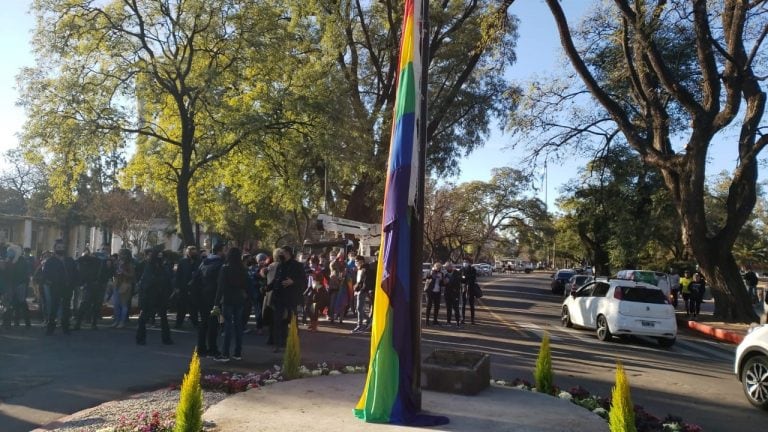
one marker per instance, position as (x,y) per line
(391,393)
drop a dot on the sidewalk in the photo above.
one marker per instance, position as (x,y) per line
(707,325)
(326,403)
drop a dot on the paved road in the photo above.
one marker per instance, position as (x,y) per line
(693,379)
(43,378)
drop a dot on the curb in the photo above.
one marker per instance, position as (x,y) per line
(719,334)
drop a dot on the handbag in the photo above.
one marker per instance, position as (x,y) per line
(477,291)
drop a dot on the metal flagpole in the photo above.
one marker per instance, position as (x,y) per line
(417,245)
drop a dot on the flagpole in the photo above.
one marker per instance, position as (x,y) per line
(417,245)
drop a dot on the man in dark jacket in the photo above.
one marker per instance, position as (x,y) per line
(60,273)
(185,285)
(89,268)
(207,278)
(468,281)
(154,290)
(288,285)
(452,292)
(365,281)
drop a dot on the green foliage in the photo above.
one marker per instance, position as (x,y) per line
(189,412)
(621,417)
(543,375)
(292,357)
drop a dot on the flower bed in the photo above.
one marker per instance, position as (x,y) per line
(644,421)
(234,382)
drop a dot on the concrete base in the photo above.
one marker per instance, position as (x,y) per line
(326,404)
(460,372)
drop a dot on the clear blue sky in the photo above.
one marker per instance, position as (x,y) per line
(538,51)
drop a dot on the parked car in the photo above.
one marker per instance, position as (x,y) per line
(751,366)
(559,279)
(483,269)
(621,307)
(575,282)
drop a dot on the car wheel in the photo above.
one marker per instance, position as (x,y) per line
(603,333)
(666,342)
(565,318)
(754,381)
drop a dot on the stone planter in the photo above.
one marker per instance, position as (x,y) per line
(461,372)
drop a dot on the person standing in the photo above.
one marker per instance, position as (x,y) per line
(208,328)
(60,273)
(231,297)
(452,293)
(674,286)
(337,289)
(696,290)
(16,280)
(433,288)
(125,278)
(184,285)
(751,280)
(287,288)
(363,285)
(154,291)
(90,270)
(468,281)
(685,291)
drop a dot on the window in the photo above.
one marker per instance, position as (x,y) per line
(642,295)
(585,291)
(601,289)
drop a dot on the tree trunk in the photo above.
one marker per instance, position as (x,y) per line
(185,220)
(361,206)
(732,301)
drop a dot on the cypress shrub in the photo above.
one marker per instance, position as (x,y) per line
(292,357)
(621,417)
(189,412)
(543,375)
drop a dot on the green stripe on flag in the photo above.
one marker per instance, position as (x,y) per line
(406,92)
(384,383)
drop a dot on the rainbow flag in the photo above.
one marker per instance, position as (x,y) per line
(390,395)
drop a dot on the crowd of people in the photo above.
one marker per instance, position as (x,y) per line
(218,292)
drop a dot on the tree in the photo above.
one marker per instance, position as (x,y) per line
(471,45)
(129,215)
(180,77)
(674,70)
(619,212)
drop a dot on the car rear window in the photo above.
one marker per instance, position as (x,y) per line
(642,294)
(565,275)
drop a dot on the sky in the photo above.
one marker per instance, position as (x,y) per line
(538,53)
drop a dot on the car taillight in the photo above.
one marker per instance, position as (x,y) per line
(618,294)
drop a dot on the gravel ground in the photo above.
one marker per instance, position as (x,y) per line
(108,415)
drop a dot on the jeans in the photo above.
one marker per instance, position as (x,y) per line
(360,298)
(233,324)
(149,310)
(467,298)
(433,300)
(61,297)
(120,308)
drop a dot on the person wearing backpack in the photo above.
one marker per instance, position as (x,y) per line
(208,329)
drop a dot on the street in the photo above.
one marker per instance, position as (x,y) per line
(44,378)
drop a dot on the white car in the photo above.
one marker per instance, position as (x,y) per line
(751,366)
(621,307)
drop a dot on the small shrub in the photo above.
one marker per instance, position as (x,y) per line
(543,377)
(621,417)
(292,357)
(189,412)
